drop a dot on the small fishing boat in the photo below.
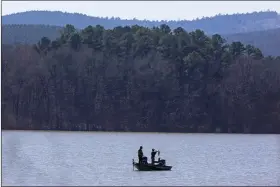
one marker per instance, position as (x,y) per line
(159,165)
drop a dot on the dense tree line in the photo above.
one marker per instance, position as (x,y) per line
(221,24)
(266,40)
(139,79)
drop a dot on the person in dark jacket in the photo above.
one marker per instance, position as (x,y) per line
(153,155)
(140,154)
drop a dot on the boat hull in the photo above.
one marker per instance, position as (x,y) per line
(150,167)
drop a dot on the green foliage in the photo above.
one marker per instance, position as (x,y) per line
(140,79)
(266,40)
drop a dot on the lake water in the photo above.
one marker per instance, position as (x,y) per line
(89,158)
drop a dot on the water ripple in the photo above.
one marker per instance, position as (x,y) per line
(70,158)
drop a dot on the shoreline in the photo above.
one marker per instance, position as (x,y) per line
(138,132)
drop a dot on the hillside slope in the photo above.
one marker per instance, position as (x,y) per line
(222,24)
(267,41)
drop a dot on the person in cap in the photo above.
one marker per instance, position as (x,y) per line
(153,155)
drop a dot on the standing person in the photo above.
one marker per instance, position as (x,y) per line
(140,154)
(153,155)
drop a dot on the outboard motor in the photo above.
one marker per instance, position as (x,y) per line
(161,162)
(144,160)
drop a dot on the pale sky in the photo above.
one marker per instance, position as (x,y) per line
(151,10)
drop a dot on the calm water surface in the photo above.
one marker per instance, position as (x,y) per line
(77,158)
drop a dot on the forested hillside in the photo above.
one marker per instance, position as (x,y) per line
(267,41)
(28,34)
(221,24)
(139,79)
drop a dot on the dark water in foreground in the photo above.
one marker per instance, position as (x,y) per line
(77,158)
